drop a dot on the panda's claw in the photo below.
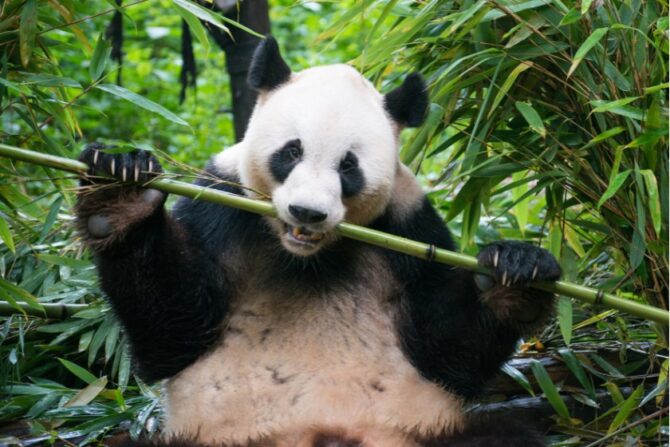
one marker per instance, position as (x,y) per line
(137,166)
(516,263)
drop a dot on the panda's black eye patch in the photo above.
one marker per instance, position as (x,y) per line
(285,159)
(351,176)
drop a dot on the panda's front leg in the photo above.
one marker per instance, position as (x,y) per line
(167,291)
(507,293)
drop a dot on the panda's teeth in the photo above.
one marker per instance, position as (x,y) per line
(304,235)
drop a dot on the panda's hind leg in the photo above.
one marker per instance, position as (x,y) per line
(484,430)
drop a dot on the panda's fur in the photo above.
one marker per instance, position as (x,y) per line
(278,332)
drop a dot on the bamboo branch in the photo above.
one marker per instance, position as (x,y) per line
(367,235)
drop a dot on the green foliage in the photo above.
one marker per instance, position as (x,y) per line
(548,122)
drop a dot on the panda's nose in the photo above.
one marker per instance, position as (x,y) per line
(306,215)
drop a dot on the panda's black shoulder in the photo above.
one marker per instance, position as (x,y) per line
(421,223)
(213,226)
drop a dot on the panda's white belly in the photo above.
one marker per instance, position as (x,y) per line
(290,367)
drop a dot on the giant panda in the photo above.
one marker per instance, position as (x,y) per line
(278,332)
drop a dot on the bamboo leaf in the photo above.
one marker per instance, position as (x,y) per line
(532,118)
(586,4)
(656,88)
(21,294)
(99,339)
(549,389)
(111,340)
(124,366)
(555,239)
(195,26)
(658,391)
(570,17)
(464,16)
(69,18)
(206,15)
(519,377)
(578,371)
(100,57)
(609,133)
(606,106)
(627,111)
(64,261)
(662,378)
(523,66)
(587,46)
(565,318)
(613,187)
(574,242)
(653,201)
(141,101)
(650,137)
(27,30)
(627,407)
(50,219)
(87,394)
(521,206)
(78,371)
(607,367)
(6,235)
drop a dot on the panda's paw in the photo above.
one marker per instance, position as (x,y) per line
(107,209)
(516,263)
(137,166)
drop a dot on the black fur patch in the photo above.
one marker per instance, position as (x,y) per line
(285,159)
(351,176)
(166,284)
(268,69)
(483,430)
(408,103)
(449,333)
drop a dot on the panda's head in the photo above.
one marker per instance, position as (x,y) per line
(323,144)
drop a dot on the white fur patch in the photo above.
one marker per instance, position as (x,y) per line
(291,362)
(331,110)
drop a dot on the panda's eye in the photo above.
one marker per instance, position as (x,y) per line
(351,176)
(348,164)
(293,152)
(285,159)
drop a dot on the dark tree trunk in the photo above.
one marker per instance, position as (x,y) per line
(252,14)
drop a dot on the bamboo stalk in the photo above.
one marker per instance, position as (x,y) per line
(367,235)
(51,310)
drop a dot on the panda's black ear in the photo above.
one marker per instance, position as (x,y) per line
(268,69)
(408,103)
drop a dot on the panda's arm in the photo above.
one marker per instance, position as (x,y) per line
(168,291)
(453,332)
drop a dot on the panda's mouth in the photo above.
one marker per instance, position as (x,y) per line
(302,235)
